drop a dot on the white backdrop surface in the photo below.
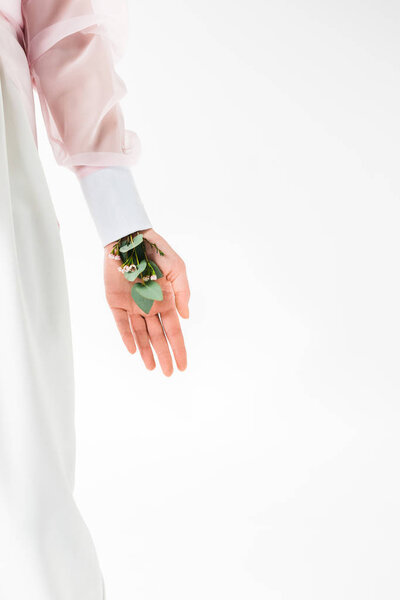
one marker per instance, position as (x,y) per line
(269,469)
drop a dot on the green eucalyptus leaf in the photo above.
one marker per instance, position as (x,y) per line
(141,266)
(143,303)
(151,290)
(157,269)
(126,247)
(132,275)
(138,239)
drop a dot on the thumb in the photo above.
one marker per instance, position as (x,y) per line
(180,285)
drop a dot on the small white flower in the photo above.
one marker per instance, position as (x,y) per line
(111,256)
(153,277)
(120,269)
(146,278)
(117,257)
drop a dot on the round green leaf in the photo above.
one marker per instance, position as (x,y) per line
(143,303)
(126,247)
(150,290)
(132,275)
(138,239)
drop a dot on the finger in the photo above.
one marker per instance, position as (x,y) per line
(173,331)
(160,344)
(138,325)
(122,321)
(180,285)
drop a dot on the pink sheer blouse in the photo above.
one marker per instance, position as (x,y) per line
(71,48)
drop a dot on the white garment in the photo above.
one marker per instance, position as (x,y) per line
(46,552)
(114,203)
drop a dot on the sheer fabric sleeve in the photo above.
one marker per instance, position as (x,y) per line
(72,47)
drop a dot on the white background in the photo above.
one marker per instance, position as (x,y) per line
(268,469)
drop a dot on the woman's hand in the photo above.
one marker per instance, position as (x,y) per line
(138,329)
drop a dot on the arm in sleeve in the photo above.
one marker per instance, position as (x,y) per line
(71,48)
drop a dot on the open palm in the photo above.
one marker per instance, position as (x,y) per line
(161,325)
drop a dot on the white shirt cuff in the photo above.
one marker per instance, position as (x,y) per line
(114,203)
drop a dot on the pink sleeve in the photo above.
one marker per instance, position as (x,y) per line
(72,47)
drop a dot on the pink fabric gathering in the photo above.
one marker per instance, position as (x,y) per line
(72,47)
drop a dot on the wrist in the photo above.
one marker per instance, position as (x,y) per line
(108,247)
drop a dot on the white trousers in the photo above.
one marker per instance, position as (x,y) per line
(46,552)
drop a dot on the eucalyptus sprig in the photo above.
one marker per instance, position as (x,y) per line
(136,266)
